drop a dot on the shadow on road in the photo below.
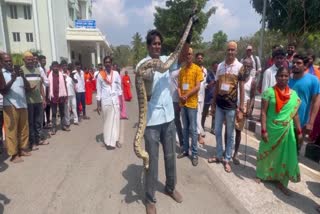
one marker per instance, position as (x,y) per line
(3,156)
(99,138)
(3,201)
(314,187)
(297,200)
(134,190)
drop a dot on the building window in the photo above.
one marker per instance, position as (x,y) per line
(29,37)
(27,11)
(16,36)
(13,11)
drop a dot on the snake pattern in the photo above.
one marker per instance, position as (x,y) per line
(144,82)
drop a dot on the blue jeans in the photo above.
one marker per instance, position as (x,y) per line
(189,120)
(81,98)
(229,117)
(35,117)
(164,134)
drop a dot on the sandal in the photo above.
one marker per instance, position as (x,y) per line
(227,167)
(283,189)
(236,161)
(214,160)
(43,142)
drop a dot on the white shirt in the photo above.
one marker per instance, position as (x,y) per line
(106,93)
(174,85)
(80,86)
(203,85)
(70,86)
(269,78)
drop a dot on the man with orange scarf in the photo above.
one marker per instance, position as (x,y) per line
(108,92)
(126,86)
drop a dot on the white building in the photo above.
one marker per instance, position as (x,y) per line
(49,26)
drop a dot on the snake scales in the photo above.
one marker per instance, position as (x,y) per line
(143,83)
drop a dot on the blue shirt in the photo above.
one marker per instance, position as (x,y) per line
(16,96)
(209,91)
(160,106)
(306,87)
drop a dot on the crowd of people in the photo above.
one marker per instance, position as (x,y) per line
(183,97)
(32,94)
(181,100)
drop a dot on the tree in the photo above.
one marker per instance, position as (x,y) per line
(219,40)
(138,48)
(121,55)
(295,18)
(170,21)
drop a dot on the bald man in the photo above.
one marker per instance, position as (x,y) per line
(229,82)
(35,99)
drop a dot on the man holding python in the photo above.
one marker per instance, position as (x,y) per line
(160,126)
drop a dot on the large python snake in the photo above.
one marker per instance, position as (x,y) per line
(143,83)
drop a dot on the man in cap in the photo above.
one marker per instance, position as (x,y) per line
(229,82)
(35,99)
(256,69)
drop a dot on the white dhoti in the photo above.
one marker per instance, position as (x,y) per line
(111,127)
(199,116)
(70,105)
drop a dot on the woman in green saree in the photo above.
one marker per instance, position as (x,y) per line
(277,158)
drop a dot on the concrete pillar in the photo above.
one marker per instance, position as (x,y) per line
(69,51)
(93,59)
(98,53)
(103,53)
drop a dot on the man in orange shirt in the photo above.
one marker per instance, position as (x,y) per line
(190,77)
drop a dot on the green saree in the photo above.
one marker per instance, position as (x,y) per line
(277,159)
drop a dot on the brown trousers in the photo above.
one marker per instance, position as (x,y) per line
(16,129)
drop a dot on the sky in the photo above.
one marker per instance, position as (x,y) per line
(119,20)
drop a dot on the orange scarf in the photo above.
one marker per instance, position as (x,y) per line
(104,76)
(282,98)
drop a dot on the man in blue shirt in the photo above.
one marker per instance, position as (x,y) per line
(160,126)
(308,89)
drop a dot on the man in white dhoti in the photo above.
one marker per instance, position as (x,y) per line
(108,91)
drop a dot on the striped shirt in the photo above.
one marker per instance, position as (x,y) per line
(34,78)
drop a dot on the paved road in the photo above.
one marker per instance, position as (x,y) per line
(76,174)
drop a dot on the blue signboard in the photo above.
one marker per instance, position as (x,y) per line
(84,23)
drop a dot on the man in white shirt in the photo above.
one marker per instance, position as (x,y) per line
(108,92)
(203,84)
(269,76)
(80,90)
(71,102)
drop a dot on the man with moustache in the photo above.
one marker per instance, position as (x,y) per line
(308,89)
(229,82)
(269,76)
(108,92)
(190,78)
(15,110)
(36,100)
(160,124)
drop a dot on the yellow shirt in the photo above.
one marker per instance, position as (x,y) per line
(188,79)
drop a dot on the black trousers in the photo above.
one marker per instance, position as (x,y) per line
(54,107)
(81,98)
(1,124)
